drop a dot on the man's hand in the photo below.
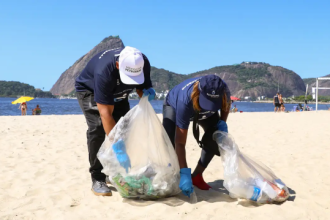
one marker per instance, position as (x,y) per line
(151,93)
(222,126)
(106,117)
(120,150)
(186,185)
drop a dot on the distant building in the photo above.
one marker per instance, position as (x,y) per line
(261,98)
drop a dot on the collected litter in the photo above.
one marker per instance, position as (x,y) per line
(245,178)
(138,156)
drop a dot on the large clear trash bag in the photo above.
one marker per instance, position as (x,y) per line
(245,178)
(154,170)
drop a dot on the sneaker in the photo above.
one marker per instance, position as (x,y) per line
(100,188)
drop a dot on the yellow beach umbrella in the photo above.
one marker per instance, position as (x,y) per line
(22,99)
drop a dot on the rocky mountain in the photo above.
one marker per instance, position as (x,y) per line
(322,83)
(65,84)
(246,79)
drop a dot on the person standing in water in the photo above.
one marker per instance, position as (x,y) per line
(23,107)
(102,90)
(276,102)
(200,99)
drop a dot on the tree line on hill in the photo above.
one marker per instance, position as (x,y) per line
(310,98)
(14,89)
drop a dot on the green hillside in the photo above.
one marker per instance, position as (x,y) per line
(245,79)
(309,81)
(14,89)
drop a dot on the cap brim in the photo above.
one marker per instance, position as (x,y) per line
(209,104)
(131,80)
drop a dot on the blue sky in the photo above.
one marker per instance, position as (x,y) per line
(39,40)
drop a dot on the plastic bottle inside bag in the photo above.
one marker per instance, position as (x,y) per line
(240,190)
(247,191)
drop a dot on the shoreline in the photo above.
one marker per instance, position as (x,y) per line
(323,103)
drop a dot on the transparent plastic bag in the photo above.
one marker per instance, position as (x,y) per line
(245,178)
(154,170)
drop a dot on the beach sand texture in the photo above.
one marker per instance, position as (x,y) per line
(44,171)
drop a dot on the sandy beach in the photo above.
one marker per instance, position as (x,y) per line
(44,171)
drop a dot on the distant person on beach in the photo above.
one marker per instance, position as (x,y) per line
(234,109)
(23,107)
(102,92)
(276,102)
(198,99)
(36,111)
(299,108)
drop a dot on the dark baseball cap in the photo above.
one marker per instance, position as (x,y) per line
(211,89)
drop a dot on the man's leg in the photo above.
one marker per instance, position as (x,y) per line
(95,138)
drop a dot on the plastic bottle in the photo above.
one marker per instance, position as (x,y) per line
(241,190)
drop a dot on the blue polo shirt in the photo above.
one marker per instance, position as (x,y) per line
(101,77)
(180,99)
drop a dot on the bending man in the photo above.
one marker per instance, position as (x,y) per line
(102,91)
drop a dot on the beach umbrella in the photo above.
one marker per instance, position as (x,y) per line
(22,99)
(234,98)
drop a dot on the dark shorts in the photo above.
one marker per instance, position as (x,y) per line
(277,105)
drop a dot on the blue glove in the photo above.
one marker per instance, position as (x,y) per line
(150,93)
(185,182)
(120,151)
(222,126)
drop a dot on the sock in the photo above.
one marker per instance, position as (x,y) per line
(200,183)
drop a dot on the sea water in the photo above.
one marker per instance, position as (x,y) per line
(71,106)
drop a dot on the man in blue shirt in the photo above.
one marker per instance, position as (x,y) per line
(102,91)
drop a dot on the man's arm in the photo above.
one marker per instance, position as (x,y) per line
(139,92)
(224,115)
(106,117)
(180,146)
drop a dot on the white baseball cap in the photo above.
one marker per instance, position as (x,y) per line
(131,65)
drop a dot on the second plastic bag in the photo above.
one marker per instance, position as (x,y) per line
(138,156)
(245,178)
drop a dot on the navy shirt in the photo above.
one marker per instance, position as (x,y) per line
(101,77)
(180,99)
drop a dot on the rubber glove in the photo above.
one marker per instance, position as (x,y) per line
(150,93)
(122,157)
(222,126)
(185,182)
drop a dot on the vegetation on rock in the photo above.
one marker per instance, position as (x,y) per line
(14,89)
